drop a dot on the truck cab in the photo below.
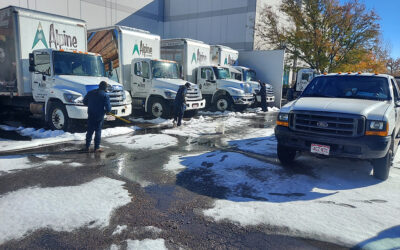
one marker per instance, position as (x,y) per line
(304,77)
(221,91)
(60,79)
(250,76)
(353,115)
(154,84)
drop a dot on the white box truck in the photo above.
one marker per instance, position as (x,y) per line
(249,75)
(135,57)
(45,67)
(223,55)
(217,87)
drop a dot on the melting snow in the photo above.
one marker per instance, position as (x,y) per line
(147,141)
(147,244)
(119,229)
(14,162)
(60,208)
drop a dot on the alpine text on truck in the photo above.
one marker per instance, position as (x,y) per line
(45,67)
(215,81)
(135,58)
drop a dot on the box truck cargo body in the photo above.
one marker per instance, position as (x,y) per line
(46,67)
(218,88)
(135,57)
(223,55)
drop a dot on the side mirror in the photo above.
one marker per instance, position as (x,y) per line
(31,62)
(110,68)
(43,77)
(31,68)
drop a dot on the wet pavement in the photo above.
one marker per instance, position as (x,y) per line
(164,204)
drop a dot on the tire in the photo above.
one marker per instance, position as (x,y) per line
(158,108)
(382,165)
(223,103)
(190,113)
(286,155)
(57,117)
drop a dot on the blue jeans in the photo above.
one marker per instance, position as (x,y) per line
(94,126)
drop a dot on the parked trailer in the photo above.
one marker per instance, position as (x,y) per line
(133,56)
(47,70)
(218,88)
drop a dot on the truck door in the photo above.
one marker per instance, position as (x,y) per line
(41,76)
(141,80)
(397,109)
(207,81)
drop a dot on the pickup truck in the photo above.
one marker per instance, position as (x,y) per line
(352,115)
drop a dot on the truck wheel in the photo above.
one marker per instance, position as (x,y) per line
(223,103)
(286,155)
(58,117)
(158,108)
(382,165)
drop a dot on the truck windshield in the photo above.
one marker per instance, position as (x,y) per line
(250,75)
(222,73)
(67,63)
(356,87)
(162,69)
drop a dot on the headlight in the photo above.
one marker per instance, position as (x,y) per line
(71,98)
(170,94)
(379,128)
(283,117)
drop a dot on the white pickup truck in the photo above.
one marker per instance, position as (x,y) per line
(343,115)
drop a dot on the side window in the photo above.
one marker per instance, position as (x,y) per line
(42,61)
(395,90)
(145,70)
(203,73)
(138,69)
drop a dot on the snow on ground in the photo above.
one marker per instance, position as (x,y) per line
(157,121)
(144,142)
(146,244)
(41,137)
(60,208)
(119,229)
(260,141)
(201,125)
(330,200)
(9,164)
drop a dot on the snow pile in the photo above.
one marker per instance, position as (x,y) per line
(334,201)
(146,244)
(144,142)
(158,121)
(41,137)
(60,208)
(261,141)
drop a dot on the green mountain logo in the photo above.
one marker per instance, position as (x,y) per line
(39,37)
(136,49)
(194,57)
(226,61)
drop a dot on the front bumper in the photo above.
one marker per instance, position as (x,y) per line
(364,147)
(243,100)
(269,98)
(191,105)
(80,112)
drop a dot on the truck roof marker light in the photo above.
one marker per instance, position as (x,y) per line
(80,52)
(61,50)
(359,72)
(325,73)
(349,73)
(340,73)
(86,53)
(74,51)
(376,73)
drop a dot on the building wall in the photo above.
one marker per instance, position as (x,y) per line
(226,22)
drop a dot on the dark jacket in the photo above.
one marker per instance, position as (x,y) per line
(180,95)
(98,103)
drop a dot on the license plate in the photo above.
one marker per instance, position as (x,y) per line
(195,105)
(320,149)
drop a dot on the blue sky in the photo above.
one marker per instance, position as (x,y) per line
(389,12)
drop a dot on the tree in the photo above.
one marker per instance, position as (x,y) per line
(393,66)
(322,33)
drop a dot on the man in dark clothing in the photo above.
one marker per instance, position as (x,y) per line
(98,103)
(179,103)
(263,94)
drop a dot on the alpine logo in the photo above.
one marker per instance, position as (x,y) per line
(229,60)
(142,49)
(199,57)
(57,39)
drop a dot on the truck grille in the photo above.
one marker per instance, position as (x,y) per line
(270,91)
(193,94)
(327,123)
(117,95)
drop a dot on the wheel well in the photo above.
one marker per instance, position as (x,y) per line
(50,101)
(151,98)
(220,93)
